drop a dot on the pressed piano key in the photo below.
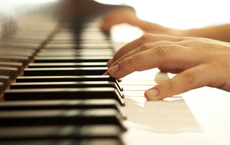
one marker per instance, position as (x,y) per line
(63,93)
(62,104)
(64,142)
(78,84)
(9,71)
(19,66)
(20,59)
(63,65)
(71,59)
(63,132)
(64,71)
(61,117)
(66,79)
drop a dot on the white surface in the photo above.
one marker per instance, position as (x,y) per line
(198,117)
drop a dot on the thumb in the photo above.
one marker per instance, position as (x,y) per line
(192,78)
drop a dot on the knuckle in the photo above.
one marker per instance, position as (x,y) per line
(128,61)
(161,49)
(188,77)
(145,46)
(169,87)
(146,37)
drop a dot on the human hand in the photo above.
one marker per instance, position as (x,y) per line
(128,15)
(118,16)
(199,62)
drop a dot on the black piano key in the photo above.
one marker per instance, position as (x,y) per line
(63,142)
(71,59)
(63,54)
(64,71)
(61,65)
(78,84)
(77,50)
(61,117)
(64,78)
(67,79)
(63,94)
(60,132)
(62,104)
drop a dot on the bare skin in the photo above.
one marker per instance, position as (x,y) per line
(198,61)
(128,15)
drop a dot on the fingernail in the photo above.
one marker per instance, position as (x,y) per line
(152,94)
(109,62)
(113,69)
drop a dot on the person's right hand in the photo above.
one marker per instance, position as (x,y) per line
(198,61)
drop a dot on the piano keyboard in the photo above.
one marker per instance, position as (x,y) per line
(57,92)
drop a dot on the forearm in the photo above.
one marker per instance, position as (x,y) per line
(221,32)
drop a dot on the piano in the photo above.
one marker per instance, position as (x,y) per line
(52,57)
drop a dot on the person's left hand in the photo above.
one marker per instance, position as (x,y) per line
(199,62)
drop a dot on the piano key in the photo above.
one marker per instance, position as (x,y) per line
(63,65)
(1,89)
(63,94)
(96,50)
(9,71)
(64,71)
(19,66)
(75,53)
(63,142)
(61,117)
(63,132)
(95,45)
(57,46)
(62,104)
(22,45)
(78,84)
(71,59)
(82,84)
(20,59)
(29,50)
(68,79)
(5,80)
(16,53)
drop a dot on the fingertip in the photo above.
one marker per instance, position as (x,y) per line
(109,62)
(106,73)
(152,94)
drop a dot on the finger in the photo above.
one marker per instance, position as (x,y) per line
(143,47)
(192,78)
(146,38)
(151,58)
(111,20)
